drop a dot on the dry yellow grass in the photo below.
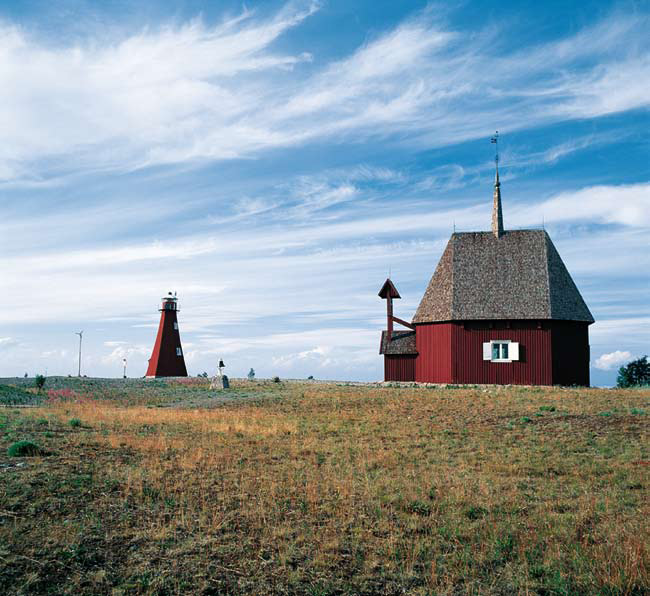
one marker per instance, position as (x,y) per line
(325,489)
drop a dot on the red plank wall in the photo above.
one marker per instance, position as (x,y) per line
(570,353)
(550,353)
(164,362)
(399,368)
(433,343)
(534,366)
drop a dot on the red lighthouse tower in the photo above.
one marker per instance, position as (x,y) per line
(167,357)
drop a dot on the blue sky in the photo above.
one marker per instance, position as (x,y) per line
(271,161)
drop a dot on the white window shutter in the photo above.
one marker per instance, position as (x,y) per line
(487,350)
(514,350)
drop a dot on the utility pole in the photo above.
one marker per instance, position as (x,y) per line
(80,334)
(124,360)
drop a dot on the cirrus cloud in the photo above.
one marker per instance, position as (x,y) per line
(213,92)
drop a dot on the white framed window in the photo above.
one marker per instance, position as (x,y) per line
(175,326)
(501,350)
(179,352)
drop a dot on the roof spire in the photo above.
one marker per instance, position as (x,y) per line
(497,215)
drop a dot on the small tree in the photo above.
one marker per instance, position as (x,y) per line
(251,374)
(634,373)
(39,381)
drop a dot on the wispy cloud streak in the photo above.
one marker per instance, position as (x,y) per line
(186,93)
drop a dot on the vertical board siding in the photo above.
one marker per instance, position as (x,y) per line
(534,366)
(164,361)
(434,360)
(550,353)
(570,353)
(399,368)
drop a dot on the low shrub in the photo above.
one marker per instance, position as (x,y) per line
(475,512)
(74,422)
(23,449)
(419,508)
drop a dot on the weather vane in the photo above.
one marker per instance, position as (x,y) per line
(495,140)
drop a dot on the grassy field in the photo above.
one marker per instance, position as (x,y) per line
(287,488)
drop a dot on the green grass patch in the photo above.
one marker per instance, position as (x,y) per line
(15,396)
(24,449)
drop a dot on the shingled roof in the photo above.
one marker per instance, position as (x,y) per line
(518,275)
(402,343)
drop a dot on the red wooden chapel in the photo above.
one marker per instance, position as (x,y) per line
(500,308)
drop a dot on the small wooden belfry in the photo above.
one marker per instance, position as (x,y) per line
(501,308)
(398,347)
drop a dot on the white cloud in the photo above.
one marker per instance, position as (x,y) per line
(153,251)
(122,351)
(147,95)
(195,91)
(223,275)
(612,360)
(54,354)
(315,196)
(625,204)
(611,330)
(7,342)
(318,356)
(517,158)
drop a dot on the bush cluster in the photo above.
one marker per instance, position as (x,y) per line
(634,374)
